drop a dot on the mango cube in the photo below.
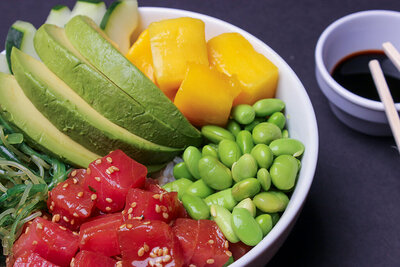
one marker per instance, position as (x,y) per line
(174,43)
(206,96)
(233,55)
(140,55)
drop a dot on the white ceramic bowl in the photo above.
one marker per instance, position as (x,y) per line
(301,125)
(365,30)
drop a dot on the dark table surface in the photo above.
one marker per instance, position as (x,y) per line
(352,214)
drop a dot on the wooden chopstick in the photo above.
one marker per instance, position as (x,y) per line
(392,54)
(387,100)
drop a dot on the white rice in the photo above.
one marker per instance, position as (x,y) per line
(166,175)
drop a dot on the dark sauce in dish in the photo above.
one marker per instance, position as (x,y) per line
(352,72)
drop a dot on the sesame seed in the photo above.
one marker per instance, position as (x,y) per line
(133,204)
(80,194)
(161,197)
(129,226)
(73,173)
(159,252)
(156,196)
(122,226)
(152,255)
(130,216)
(226,244)
(108,208)
(211,241)
(72,222)
(165,215)
(158,264)
(109,159)
(130,210)
(213,211)
(119,264)
(97,179)
(51,208)
(39,226)
(45,217)
(109,200)
(210,261)
(75,181)
(65,185)
(166,258)
(93,197)
(98,161)
(140,252)
(62,228)
(192,265)
(27,230)
(146,223)
(34,242)
(151,263)
(123,212)
(75,233)
(228,253)
(75,215)
(109,171)
(146,247)
(72,264)
(56,218)
(158,261)
(163,208)
(65,219)
(89,171)
(158,209)
(115,168)
(165,251)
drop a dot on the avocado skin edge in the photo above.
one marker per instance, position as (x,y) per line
(65,116)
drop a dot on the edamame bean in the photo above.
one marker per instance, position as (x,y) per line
(215,174)
(223,198)
(257,121)
(285,133)
(271,201)
(181,171)
(278,119)
(244,140)
(179,186)
(246,227)
(196,207)
(264,178)
(199,189)
(243,114)
(246,188)
(223,219)
(284,172)
(247,204)
(268,106)
(265,223)
(228,152)
(191,157)
(216,134)
(245,167)
(233,127)
(229,262)
(209,151)
(265,133)
(275,218)
(287,146)
(263,155)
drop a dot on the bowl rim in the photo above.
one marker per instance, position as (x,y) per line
(296,203)
(320,63)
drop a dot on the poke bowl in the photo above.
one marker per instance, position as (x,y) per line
(300,122)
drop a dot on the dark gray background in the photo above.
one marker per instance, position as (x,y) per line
(352,215)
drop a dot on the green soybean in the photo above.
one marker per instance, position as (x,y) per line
(244,114)
(265,133)
(257,121)
(278,119)
(284,172)
(216,134)
(233,127)
(271,201)
(229,262)
(196,207)
(263,155)
(264,178)
(287,146)
(265,222)
(275,218)
(245,167)
(223,198)
(246,227)
(246,188)
(181,171)
(209,151)
(223,218)
(179,186)
(285,133)
(247,204)
(215,174)
(266,107)
(199,189)
(228,152)
(191,157)
(244,140)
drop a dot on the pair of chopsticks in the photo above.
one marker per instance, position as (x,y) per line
(383,89)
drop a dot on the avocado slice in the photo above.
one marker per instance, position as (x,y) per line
(19,111)
(59,55)
(93,44)
(76,118)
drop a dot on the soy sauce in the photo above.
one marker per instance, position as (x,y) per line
(352,72)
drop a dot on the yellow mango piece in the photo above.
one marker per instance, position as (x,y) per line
(233,55)
(174,43)
(206,96)
(140,55)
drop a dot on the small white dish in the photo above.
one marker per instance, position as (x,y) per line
(301,125)
(365,30)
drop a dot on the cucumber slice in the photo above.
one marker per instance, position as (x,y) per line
(94,9)
(3,64)
(59,15)
(120,20)
(20,35)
